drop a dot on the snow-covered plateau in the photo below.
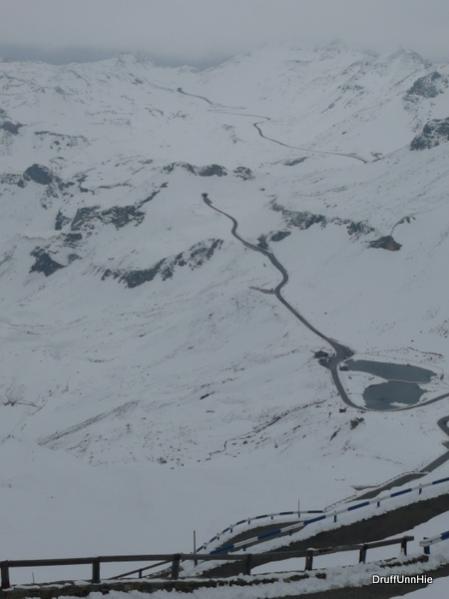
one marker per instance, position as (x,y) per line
(152,380)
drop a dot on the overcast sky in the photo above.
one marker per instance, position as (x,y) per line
(203,31)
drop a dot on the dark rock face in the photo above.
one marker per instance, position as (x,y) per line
(119,216)
(169,168)
(304,220)
(279,235)
(134,278)
(358,228)
(10,127)
(355,422)
(243,172)
(295,161)
(152,195)
(263,240)
(209,170)
(72,238)
(212,170)
(429,86)
(83,218)
(386,243)
(301,219)
(202,252)
(194,257)
(44,263)
(39,174)
(59,140)
(61,221)
(434,133)
(86,218)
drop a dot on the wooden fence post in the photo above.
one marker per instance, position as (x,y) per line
(175,566)
(95,571)
(309,559)
(248,564)
(5,575)
(362,554)
(195,562)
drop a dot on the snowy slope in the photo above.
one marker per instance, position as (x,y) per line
(144,376)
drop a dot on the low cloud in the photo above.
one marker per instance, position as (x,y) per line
(204,31)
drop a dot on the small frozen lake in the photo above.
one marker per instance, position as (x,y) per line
(384,396)
(402,384)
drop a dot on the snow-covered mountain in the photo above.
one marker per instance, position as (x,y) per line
(151,382)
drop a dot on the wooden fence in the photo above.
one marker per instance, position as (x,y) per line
(175,560)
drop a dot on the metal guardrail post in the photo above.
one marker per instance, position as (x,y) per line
(404,546)
(95,571)
(309,559)
(362,554)
(175,566)
(4,569)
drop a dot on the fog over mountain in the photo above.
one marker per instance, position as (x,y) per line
(206,31)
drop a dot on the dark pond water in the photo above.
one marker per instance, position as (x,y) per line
(401,386)
(386,396)
(392,372)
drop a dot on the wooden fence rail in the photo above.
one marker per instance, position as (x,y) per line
(248,559)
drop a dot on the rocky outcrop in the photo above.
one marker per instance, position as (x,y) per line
(295,161)
(279,235)
(44,263)
(61,221)
(243,172)
(194,257)
(304,220)
(210,170)
(263,240)
(58,141)
(119,216)
(10,127)
(386,243)
(86,218)
(300,219)
(39,174)
(12,179)
(429,86)
(434,133)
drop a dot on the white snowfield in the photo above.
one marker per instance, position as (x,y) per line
(148,387)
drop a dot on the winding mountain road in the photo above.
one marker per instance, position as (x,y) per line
(340,354)
(340,351)
(304,148)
